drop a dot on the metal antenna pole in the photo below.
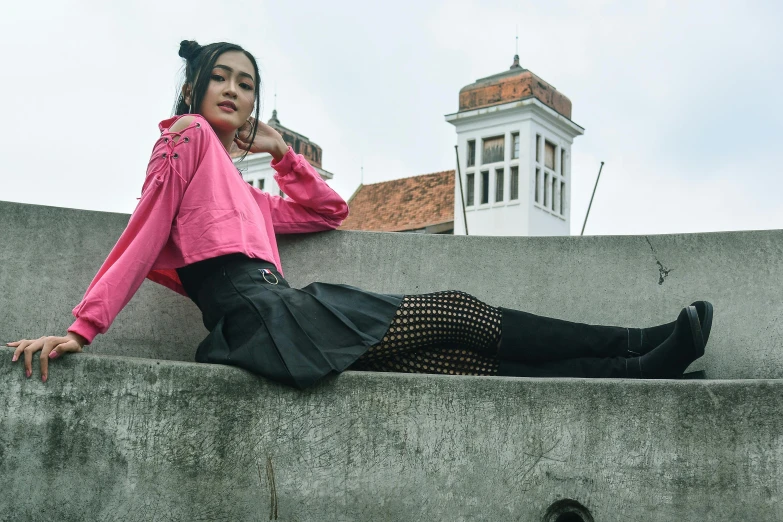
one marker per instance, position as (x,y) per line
(461,194)
(591,199)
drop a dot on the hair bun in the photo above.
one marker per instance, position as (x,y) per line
(188,49)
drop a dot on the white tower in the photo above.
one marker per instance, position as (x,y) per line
(514,136)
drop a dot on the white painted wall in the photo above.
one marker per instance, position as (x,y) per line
(523,216)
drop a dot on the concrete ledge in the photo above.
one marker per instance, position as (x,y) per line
(49,255)
(126,439)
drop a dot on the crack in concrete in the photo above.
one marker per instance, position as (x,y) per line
(270,478)
(662,270)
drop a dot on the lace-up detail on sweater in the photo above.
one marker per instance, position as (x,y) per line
(172,140)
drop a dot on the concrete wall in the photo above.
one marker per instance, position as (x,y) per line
(48,256)
(116,439)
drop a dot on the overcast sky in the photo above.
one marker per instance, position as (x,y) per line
(679,98)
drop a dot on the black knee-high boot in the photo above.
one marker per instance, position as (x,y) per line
(666,361)
(530,338)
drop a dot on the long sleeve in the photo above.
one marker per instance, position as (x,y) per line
(311,206)
(141,242)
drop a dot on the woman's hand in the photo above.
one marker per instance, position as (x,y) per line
(50,348)
(267,139)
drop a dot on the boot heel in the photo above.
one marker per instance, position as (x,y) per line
(696,333)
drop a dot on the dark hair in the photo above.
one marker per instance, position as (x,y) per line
(199,62)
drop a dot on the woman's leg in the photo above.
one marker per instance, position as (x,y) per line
(450,318)
(530,338)
(427,323)
(534,338)
(668,360)
(460,320)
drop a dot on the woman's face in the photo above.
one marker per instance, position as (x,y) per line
(230,95)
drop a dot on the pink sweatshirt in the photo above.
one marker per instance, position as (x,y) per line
(195,205)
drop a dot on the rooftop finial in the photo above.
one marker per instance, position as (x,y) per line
(273,120)
(516,65)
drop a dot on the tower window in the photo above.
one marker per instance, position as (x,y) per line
(514,184)
(470,189)
(485,187)
(494,150)
(282,194)
(538,148)
(562,197)
(562,163)
(471,153)
(499,175)
(549,155)
(547,187)
(250,182)
(550,185)
(537,189)
(515,146)
(261,184)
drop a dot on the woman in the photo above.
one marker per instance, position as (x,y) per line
(200,230)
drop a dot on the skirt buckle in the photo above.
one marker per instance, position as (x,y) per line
(266,273)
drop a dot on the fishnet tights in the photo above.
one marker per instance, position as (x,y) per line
(444,332)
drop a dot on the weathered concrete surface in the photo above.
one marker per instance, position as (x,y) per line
(49,255)
(126,439)
(119,438)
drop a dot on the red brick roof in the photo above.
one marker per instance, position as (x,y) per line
(403,204)
(512,85)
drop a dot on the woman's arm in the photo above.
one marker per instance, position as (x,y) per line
(311,205)
(170,169)
(118,279)
(173,162)
(132,257)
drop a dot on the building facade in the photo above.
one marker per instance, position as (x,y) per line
(514,136)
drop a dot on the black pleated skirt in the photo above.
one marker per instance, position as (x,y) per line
(292,336)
